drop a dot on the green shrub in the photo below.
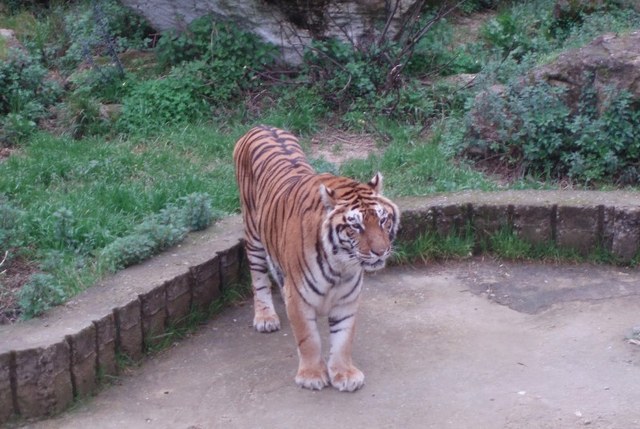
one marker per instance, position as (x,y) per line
(436,53)
(81,115)
(533,130)
(25,94)
(63,227)
(520,29)
(154,104)
(342,73)
(40,293)
(221,57)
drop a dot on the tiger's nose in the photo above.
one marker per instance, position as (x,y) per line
(378,252)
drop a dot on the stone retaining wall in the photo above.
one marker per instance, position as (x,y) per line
(47,362)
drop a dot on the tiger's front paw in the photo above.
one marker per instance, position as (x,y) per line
(266,322)
(313,378)
(347,379)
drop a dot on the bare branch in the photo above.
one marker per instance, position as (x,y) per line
(387,24)
(6,253)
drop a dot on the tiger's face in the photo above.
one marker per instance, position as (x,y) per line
(362,228)
(369,233)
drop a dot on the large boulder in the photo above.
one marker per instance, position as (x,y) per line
(289,24)
(609,61)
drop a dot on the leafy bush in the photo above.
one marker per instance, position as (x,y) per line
(154,104)
(530,128)
(39,294)
(343,73)
(520,29)
(436,53)
(25,94)
(224,59)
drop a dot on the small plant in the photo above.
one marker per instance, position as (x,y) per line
(63,227)
(197,211)
(158,232)
(39,294)
(9,224)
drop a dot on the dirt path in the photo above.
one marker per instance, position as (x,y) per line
(470,344)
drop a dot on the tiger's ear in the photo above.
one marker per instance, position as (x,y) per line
(328,197)
(376,183)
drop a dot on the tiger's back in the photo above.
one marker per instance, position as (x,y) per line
(316,234)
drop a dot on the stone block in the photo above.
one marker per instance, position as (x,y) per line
(83,360)
(230,265)
(608,230)
(6,395)
(578,228)
(106,341)
(154,314)
(43,380)
(178,297)
(533,223)
(626,233)
(206,283)
(415,223)
(129,328)
(451,219)
(490,219)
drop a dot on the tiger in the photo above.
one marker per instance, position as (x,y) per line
(316,234)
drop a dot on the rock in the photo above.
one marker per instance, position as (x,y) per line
(288,24)
(110,112)
(572,9)
(608,61)
(10,40)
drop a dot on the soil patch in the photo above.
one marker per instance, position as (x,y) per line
(338,146)
(14,273)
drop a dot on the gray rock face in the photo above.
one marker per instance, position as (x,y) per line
(289,24)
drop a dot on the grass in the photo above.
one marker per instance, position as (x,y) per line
(415,165)
(75,198)
(503,244)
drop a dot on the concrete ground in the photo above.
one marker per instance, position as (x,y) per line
(473,344)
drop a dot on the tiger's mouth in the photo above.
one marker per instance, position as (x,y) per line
(373,265)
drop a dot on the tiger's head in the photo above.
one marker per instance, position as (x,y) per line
(360,224)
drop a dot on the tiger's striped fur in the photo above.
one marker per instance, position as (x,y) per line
(316,234)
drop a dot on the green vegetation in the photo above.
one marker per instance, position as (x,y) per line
(504,244)
(120,142)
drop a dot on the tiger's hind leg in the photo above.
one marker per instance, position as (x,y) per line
(265,318)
